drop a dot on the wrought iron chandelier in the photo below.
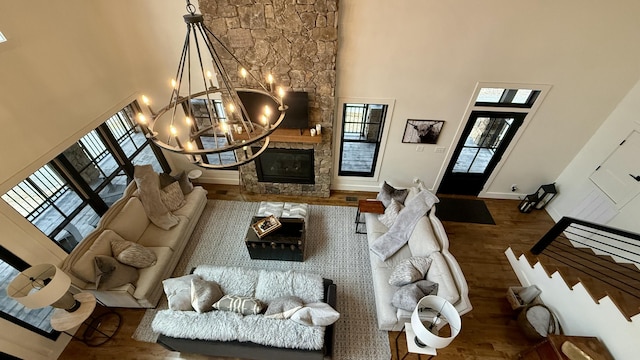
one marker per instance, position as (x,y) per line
(212,118)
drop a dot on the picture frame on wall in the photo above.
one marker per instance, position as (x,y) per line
(422,131)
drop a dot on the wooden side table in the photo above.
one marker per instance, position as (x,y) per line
(94,334)
(367,206)
(551,348)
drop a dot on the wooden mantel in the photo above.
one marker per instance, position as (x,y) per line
(288,135)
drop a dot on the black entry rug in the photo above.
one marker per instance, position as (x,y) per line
(464,210)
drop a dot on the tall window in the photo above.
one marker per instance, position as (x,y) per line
(210,138)
(36,320)
(66,197)
(362,126)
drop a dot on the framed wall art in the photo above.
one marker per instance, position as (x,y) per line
(422,131)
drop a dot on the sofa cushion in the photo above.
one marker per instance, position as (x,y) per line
(245,305)
(388,192)
(172,197)
(157,237)
(410,270)
(152,276)
(390,213)
(316,314)
(132,254)
(178,291)
(423,241)
(283,307)
(407,297)
(111,273)
(182,179)
(131,221)
(84,267)
(440,273)
(204,294)
(193,200)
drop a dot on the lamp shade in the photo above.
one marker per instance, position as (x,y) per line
(443,313)
(39,286)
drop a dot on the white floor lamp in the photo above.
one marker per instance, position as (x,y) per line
(438,312)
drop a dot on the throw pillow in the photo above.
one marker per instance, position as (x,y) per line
(178,291)
(316,314)
(407,297)
(388,192)
(390,213)
(410,270)
(204,294)
(283,307)
(244,305)
(110,273)
(148,184)
(182,178)
(132,254)
(172,197)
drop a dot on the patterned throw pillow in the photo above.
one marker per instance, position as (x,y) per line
(183,180)
(391,213)
(132,254)
(244,305)
(410,270)
(110,273)
(388,192)
(204,294)
(172,196)
(283,307)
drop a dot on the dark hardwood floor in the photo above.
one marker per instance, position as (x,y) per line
(489,331)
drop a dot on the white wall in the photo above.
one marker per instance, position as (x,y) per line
(66,67)
(429,55)
(574,184)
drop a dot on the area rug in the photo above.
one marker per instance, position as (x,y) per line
(333,250)
(464,210)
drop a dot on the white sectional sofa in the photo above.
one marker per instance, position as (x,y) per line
(428,239)
(127,218)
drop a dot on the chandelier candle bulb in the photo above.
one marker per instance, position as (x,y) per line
(270,81)
(209,76)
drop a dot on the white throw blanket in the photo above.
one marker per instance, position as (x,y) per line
(398,235)
(226,325)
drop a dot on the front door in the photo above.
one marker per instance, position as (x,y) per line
(482,144)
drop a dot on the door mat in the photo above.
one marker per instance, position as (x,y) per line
(464,210)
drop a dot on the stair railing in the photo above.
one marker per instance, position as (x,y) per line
(584,235)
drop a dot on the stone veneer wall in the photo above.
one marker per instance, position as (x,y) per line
(296,41)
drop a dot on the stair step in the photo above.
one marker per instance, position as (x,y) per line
(599,274)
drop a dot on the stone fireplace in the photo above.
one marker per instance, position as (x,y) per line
(296,41)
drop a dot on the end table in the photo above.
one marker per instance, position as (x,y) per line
(94,334)
(367,206)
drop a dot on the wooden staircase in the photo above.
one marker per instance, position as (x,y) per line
(600,275)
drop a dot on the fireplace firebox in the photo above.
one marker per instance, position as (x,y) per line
(293,166)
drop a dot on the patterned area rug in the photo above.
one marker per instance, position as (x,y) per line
(333,250)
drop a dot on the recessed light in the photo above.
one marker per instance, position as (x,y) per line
(2,38)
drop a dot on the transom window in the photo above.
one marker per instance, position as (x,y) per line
(507,97)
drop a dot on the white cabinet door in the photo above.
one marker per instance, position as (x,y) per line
(619,175)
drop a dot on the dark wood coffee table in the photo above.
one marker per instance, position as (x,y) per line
(287,243)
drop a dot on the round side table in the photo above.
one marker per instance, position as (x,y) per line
(98,331)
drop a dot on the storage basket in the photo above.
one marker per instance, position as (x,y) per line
(552,326)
